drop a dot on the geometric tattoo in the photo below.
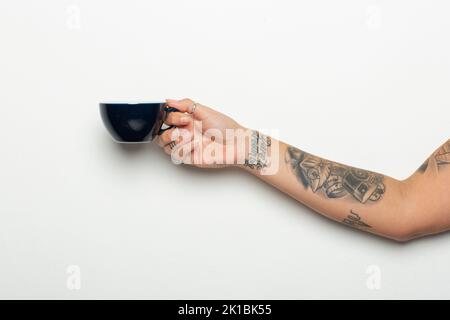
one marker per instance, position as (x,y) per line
(354,220)
(335,180)
(441,158)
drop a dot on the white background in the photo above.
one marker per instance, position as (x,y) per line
(360,82)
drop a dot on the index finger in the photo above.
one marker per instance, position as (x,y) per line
(184,105)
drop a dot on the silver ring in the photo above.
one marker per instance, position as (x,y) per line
(194,106)
(171,144)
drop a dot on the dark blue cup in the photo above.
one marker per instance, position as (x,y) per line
(129,122)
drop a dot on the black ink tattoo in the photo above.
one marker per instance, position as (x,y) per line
(424,166)
(257,166)
(354,220)
(440,158)
(259,146)
(333,179)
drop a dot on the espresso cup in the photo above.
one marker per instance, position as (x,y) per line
(134,122)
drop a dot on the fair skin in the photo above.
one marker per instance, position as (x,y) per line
(396,209)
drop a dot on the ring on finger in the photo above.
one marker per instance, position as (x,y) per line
(171,145)
(193,107)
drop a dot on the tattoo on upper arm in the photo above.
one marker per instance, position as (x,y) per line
(335,180)
(438,159)
(354,220)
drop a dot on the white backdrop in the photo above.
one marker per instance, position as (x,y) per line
(360,82)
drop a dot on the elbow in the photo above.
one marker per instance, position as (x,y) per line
(402,235)
(411,233)
(400,230)
(408,229)
(412,220)
(404,226)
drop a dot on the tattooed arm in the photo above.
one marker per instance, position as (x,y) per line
(400,210)
(365,200)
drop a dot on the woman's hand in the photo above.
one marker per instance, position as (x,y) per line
(203,137)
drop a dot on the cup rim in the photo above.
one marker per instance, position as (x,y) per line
(131,103)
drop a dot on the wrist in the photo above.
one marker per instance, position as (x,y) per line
(238,147)
(252,150)
(242,149)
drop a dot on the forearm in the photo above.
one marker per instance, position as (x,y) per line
(362,199)
(369,201)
